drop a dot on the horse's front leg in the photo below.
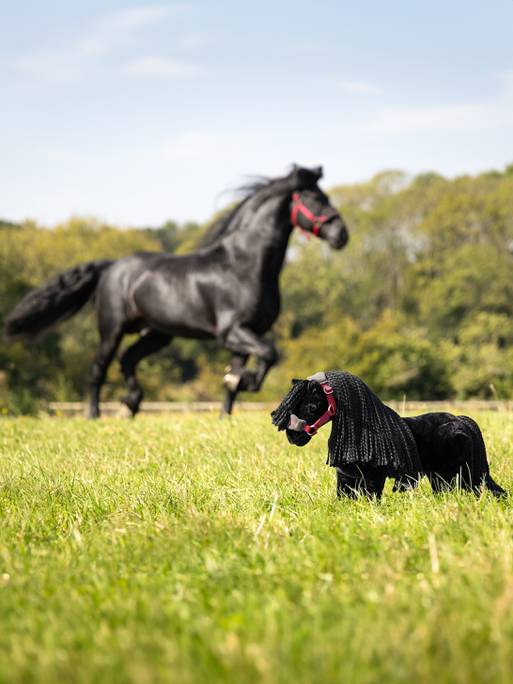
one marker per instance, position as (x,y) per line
(243,343)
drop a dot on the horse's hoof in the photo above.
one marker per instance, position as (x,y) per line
(231,381)
(133,401)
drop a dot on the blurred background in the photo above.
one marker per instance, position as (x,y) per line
(123,126)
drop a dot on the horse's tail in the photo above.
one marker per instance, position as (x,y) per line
(58,299)
(490,484)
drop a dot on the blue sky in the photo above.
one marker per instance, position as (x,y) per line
(136,113)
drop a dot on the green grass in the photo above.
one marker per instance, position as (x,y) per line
(189,549)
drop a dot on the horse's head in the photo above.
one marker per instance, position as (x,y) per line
(311,210)
(307,406)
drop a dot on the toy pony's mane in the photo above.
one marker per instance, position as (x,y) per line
(364,430)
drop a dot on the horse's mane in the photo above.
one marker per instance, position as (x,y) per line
(364,430)
(221,226)
(260,189)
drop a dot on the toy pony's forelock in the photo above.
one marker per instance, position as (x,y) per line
(281,414)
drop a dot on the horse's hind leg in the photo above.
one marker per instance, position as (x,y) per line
(147,344)
(232,382)
(109,343)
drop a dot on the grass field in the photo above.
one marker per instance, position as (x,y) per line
(189,549)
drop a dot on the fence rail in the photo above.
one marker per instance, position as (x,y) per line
(115,408)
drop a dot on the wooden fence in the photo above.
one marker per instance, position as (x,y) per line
(115,408)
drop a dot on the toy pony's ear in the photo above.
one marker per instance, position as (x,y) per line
(318,172)
(296,381)
(314,387)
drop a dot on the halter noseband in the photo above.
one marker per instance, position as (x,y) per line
(299,208)
(300,425)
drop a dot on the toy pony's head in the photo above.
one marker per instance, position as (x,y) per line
(300,409)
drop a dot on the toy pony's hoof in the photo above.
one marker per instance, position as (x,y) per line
(231,381)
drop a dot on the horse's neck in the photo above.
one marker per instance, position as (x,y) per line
(264,235)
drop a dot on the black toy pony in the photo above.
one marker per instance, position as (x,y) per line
(370,442)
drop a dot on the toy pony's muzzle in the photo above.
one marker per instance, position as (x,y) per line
(296,424)
(297,431)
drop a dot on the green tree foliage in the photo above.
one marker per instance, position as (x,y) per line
(420,303)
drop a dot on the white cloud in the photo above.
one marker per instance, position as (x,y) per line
(159,66)
(107,34)
(357,88)
(506,78)
(443,118)
(477,116)
(46,65)
(114,29)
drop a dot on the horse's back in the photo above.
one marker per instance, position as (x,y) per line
(114,299)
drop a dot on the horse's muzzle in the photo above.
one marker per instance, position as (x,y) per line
(335,233)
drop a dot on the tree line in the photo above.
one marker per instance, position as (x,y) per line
(420,303)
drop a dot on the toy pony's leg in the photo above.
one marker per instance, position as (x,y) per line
(442,482)
(354,480)
(404,482)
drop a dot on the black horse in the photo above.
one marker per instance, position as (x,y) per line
(370,442)
(228,289)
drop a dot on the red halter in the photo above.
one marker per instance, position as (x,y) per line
(327,415)
(299,208)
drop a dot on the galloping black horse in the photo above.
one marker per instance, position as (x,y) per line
(228,289)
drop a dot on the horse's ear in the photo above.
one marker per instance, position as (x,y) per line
(294,175)
(302,178)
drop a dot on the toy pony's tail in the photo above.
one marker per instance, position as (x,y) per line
(493,487)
